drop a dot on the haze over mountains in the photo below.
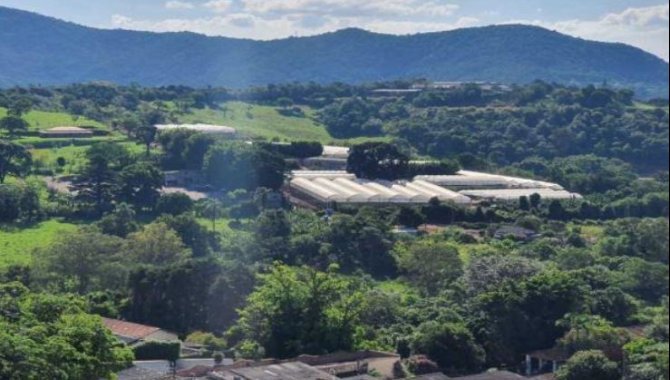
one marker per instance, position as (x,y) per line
(41,50)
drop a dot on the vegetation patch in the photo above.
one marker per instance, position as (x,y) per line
(17,244)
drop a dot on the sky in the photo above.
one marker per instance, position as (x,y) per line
(641,23)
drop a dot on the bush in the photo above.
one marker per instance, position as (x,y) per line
(588,365)
(421,365)
(174,204)
(158,351)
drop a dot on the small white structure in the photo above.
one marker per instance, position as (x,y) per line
(66,131)
(203,128)
(335,151)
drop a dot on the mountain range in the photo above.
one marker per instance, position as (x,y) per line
(40,50)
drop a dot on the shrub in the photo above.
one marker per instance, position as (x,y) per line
(157,351)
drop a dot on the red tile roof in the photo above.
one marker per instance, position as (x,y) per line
(128,329)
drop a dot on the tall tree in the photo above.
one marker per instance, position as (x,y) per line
(13,125)
(14,159)
(377,160)
(139,184)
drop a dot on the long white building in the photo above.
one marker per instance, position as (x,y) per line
(466,179)
(465,187)
(344,189)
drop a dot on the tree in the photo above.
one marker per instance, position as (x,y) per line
(52,337)
(523,203)
(487,272)
(450,345)
(204,294)
(614,305)
(19,201)
(130,124)
(300,310)
(156,244)
(376,160)
(19,107)
(139,184)
(193,234)
(212,209)
(556,210)
(13,125)
(84,260)
(588,365)
(429,264)
(95,183)
(119,222)
(174,204)
(14,159)
(284,103)
(146,132)
(645,280)
(535,200)
(241,166)
(592,333)
(272,230)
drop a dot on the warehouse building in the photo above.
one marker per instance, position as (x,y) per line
(343,188)
(466,179)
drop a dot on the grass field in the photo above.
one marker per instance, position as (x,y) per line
(266,122)
(43,120)
(74,155)
(262,121)
(17,244)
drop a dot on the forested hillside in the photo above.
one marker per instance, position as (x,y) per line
(40,50)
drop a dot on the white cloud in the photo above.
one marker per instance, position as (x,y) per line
(219,6)
(644,27)
(350,8)
(175,4)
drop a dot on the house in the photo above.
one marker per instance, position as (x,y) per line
(135,334)
(66,132)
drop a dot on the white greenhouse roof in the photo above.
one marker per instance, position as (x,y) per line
(348,190)
(513,181)
(322,173)
(514,194)
(204,128)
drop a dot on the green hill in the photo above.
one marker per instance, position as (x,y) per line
(42,50)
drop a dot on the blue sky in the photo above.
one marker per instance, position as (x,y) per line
(642,23)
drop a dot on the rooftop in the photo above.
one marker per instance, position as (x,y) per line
(492,375)
(288,371)
(131,332)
